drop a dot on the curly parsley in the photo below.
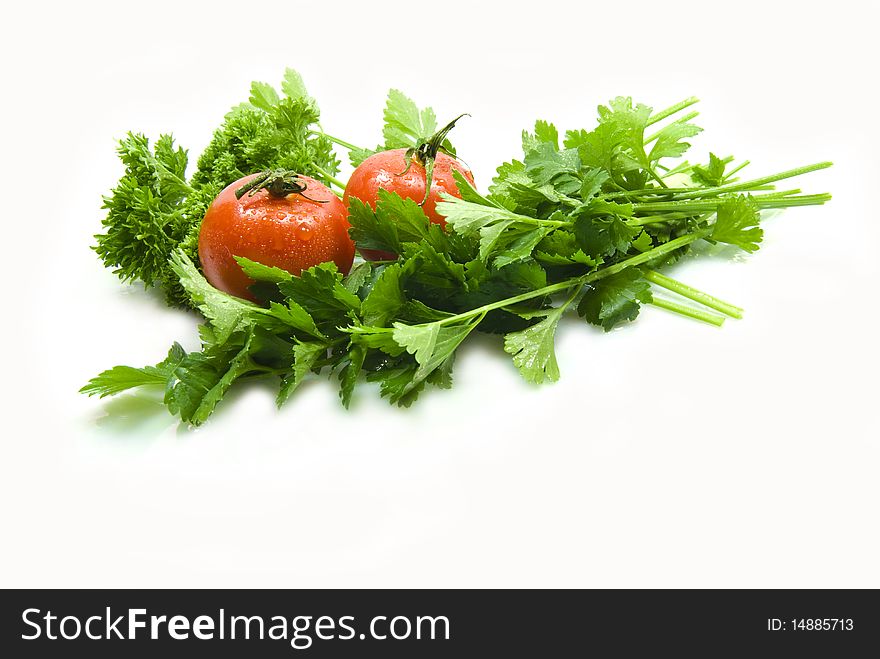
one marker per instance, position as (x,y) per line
(581,223)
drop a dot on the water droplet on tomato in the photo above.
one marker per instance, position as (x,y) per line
(281,215)
(304,231)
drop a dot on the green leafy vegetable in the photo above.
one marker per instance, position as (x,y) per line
(583,220)
(154,210)
(710,175)
(405,124)
(431,344)
(224,312)
(533,348)
(737,224)
(121,378)
(615,299)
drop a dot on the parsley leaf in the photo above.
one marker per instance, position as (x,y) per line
(431,345)
(320,291)
(519,246)
(628,123)
(202,379)
(394,221)
(508,236)
(260,272)
(433,271)
(546,165)
(358,277)
(294,316)
(710,175)
(263,96)
(357,155)
(396,383)
(604,236)
(121,378)
(348,375)
(225,312)
(597,148)
(305,356)
(533,347)
(737,223)
(385,299)
(545,133)
(561,248)
(670,141)
(615,299)
(293,86)
(406,125)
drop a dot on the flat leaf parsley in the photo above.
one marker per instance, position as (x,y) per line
(582,222)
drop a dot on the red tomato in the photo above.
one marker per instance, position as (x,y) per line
(293,232)
(383,170)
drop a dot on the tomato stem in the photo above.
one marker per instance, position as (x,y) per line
(425,153)
(278,183)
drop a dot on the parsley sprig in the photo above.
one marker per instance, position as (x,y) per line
(155,209)
(583,222)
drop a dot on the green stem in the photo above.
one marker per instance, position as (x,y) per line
(781,193)
(742,165)
(650,255)
(534,221)
(516,299)
(693,294)
(327,175)
(704,205)
(525,219)
(596,275)
(690,312)
(336,140)
(680,120)
(182,182)
(685,166)
(745,186)
(672,109)
(654,219)
(657,178)
(680,167)
(258,371)
(748,185)
(671,193)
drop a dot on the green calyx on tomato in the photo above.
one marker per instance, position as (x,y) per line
(425,153)
(278,183)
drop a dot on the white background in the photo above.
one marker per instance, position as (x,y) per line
(670,453)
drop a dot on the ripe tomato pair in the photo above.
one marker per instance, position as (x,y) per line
(294,222)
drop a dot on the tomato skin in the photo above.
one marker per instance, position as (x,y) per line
(383,171)
(292,232)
